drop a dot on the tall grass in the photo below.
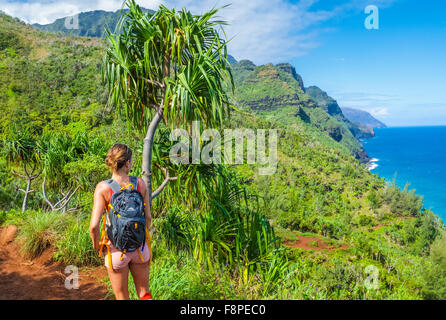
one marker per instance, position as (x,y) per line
(40,230)
(75,246)
(66,233)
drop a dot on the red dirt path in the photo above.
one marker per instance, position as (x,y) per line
(44,279)
(306,243)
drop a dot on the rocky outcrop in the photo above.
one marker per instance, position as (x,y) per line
(288,68)
(302,115)
(335,133)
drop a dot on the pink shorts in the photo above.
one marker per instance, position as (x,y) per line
(129,257)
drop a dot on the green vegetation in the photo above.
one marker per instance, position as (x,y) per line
(218,230)
(435,275)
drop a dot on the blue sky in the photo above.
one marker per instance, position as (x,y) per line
(397,72)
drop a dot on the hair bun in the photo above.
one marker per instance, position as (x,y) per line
(117,156)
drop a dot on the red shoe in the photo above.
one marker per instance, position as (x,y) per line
(147,296)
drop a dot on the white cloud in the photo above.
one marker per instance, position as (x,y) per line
(261,30)
(379,112)
(266,30)
(46,11)
(377,104)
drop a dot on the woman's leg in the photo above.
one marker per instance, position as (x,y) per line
(140,274)
(119,279)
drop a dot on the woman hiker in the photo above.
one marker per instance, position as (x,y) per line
(118,263)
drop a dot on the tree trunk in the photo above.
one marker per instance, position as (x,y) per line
(25,199)
(147,154)
(148,140)
(29,178)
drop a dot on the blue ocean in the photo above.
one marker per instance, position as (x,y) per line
(413,155)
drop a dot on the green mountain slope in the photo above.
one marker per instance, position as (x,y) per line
(49,81)
(277,91)
(90,24)
(331,106)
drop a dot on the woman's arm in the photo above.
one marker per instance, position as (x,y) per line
(98,210)
(145,195)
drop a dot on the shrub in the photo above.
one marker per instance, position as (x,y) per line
(39,230)
(340,279)
(75,247)
(402,202)
(434,287)
(373,200)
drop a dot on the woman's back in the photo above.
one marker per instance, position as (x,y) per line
(119,263)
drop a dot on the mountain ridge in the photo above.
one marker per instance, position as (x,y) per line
(363,117)
(278,90)
(90,23)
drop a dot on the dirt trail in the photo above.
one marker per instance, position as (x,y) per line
(309,243)
(313,243)
(44,279)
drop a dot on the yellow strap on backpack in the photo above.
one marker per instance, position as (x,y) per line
(125,187)
(101,245)
(109,257)
(140,255)
(149,241)
(103,238)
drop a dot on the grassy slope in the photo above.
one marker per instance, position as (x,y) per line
(318,188)
(49,81)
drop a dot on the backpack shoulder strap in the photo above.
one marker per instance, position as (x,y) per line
(134,181)
(113,185)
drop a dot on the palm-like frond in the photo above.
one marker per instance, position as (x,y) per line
(172,60)
(20,146)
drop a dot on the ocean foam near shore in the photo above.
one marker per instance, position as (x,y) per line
(372,164)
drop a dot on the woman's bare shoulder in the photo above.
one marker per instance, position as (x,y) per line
(101,188)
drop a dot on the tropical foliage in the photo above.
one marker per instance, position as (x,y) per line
(220,231)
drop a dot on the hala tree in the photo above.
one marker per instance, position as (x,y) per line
(20,149)
(168,66)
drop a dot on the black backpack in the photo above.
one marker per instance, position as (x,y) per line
(126,220)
